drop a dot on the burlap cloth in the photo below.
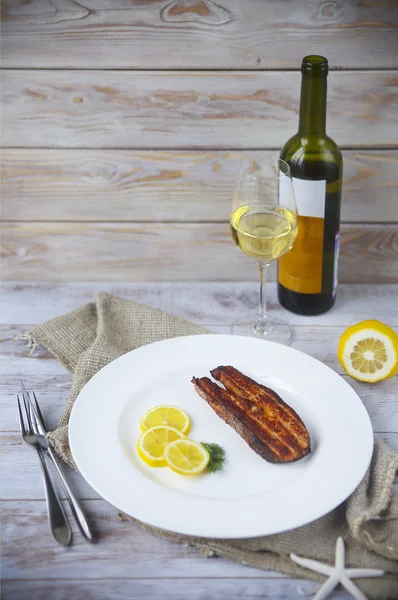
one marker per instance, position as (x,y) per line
(87,339)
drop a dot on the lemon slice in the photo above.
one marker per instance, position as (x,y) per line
(152,443)
(186,457)
(166,415)
(368,351)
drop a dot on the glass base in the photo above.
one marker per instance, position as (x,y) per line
(272,329)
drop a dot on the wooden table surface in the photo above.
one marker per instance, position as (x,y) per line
(127,562)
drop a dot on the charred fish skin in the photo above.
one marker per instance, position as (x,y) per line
(270,426)
(269,407)
(226,404)
(246,388)
(206,388)
(277,450)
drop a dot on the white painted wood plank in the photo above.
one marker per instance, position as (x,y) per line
(113,109)
(122,549)
(155,589)
(320,342)
(21,476)
(52,393)
(171,251)
(131,185)
(200,302)
(202,34)
(391,439)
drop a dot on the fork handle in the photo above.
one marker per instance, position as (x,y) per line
(60,529)
(74,504)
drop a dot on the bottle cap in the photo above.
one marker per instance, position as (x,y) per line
(315,64)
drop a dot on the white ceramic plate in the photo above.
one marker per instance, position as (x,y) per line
(250,497)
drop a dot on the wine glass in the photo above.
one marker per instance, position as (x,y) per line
(264,227)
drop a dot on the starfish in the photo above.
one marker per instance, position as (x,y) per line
(337,574)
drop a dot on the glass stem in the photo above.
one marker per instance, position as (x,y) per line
(261,323)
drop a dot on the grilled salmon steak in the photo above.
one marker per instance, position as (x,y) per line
(269,425)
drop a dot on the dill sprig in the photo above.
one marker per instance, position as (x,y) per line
(217,457)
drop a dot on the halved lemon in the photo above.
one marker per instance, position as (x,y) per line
(368,351)
(166,415)
(186,457)
(152,443)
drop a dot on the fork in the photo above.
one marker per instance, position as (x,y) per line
(59,526)
(39,429)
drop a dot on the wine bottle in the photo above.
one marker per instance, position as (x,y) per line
(307,275)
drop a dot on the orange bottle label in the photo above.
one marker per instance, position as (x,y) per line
(300,270)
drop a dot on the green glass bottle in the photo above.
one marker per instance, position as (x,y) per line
(307,275)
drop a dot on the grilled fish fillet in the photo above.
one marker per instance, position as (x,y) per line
(270,427)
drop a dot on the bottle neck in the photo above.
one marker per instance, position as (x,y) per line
(313,104)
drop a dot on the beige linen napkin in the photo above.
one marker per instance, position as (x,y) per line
(87,339)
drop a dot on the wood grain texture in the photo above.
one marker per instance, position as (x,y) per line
(318,341)
(122,549)
(213,34)
(129,185)
(21,470)
(111,109)
(161,589)
(175,252)
(205,303)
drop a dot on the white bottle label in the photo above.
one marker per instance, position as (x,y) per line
(310,197)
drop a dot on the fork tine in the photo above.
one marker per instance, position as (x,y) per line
(27,414)
(24,390)
(34,410)
(28,410)
(25,394)
(32,417)
(38,410)
(21,421)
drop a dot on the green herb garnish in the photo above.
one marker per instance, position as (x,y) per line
(217,457)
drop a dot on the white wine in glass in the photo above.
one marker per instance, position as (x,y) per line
(264,227)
